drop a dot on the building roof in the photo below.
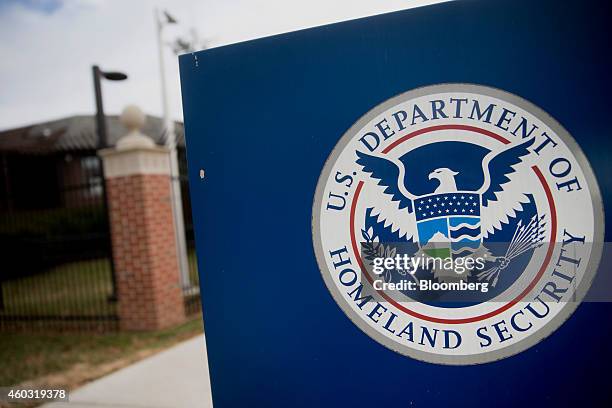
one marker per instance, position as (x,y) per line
(76,133)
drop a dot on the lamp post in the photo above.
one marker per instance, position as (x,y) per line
(102,144)
(100,122)
(161,19)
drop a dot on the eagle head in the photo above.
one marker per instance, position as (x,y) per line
(442,174)
(446,177)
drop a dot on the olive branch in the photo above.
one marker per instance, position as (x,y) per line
(372,249)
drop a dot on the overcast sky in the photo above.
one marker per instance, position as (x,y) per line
(47,47)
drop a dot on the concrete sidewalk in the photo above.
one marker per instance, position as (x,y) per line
(174,378)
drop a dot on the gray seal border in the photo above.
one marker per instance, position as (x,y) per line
(552,324)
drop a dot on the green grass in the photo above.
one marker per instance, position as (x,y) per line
(192,259)
(26,357)
(76,288)
(438,252)
(81,288)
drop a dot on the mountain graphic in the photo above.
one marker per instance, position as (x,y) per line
(435,241)
(438,246)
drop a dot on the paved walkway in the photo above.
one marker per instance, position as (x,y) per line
(174,378)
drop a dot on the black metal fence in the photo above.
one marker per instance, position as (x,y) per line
(56,268)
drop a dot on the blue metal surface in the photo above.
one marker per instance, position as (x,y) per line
(261,118)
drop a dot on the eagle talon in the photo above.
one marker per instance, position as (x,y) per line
(503,261)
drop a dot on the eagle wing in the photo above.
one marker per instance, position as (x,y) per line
(498,202)
(390,179)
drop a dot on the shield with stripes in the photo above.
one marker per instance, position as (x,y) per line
(448,224)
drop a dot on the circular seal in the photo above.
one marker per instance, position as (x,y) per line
(457,224)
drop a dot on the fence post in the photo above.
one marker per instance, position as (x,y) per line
(137,176)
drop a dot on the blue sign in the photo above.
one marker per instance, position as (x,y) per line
(404,209)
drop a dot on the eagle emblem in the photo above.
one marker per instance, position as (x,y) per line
(454,221)
(450,221)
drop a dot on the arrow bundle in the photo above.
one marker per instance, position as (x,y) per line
(525,238)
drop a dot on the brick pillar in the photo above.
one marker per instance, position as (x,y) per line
(137,174)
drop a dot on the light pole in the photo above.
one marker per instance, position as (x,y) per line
(103,144)
(100,122)
(177,200)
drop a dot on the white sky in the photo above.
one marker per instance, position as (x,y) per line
(47,47)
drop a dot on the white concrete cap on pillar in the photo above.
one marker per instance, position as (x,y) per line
(135,153)
(133,119)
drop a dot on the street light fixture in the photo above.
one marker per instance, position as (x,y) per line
(114,76)
(100,121)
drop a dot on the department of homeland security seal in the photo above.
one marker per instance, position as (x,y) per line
(457,173)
